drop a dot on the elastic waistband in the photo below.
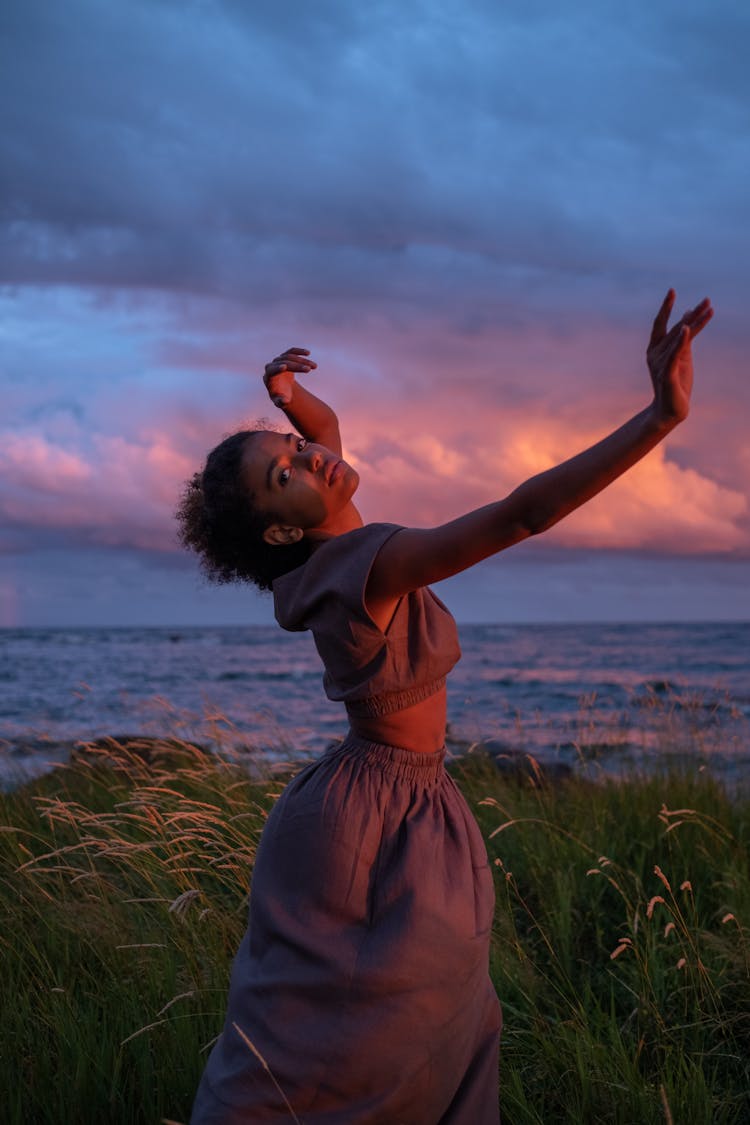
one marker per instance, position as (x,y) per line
(393,760)
(377,706)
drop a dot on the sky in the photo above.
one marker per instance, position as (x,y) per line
(468,210)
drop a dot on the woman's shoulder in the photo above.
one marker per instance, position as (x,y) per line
(359,539)
(336,570)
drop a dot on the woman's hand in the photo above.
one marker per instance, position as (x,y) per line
(279,374)
(670,360)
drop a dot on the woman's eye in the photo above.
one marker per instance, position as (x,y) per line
(301,444)
(284,476)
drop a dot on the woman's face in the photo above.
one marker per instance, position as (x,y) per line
(305,486)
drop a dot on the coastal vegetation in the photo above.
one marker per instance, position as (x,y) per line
(620,943)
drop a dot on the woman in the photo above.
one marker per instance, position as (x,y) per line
(360,992)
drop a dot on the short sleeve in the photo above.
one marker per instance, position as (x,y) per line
(332,583)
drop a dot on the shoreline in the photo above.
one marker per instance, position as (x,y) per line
(153,753)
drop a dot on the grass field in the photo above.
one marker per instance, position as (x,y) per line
(620,945)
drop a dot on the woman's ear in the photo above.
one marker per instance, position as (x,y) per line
(280,536)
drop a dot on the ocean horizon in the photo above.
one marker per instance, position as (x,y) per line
(609,693)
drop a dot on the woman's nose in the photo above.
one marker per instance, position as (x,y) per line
(314,458)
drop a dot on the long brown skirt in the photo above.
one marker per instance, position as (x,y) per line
(362,979)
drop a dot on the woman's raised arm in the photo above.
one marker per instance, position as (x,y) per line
(310,416)
(418,557)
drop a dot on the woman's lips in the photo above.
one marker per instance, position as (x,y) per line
(335,471)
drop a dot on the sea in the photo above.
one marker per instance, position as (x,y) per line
(600,698)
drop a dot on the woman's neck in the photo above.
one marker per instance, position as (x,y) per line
(348,519)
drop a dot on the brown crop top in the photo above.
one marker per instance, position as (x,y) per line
(372,672)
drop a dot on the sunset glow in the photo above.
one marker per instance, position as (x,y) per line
(470,228)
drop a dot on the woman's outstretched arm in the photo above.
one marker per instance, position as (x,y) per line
(310,416)
(415,557)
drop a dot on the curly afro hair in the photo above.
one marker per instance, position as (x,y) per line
(217,520)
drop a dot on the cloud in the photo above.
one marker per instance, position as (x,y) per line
(437,421)
(661,507)
(657,505)
(36,466)
(468,213)
(121,490)
(386,158)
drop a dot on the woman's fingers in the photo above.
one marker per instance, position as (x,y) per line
(278,375)
(660,321)
(672,342)
(684,332)
(289,362)
(296,355)
(694,319)
(288,365)
(699,308)
(699,317)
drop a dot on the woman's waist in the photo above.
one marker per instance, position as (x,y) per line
(419,727)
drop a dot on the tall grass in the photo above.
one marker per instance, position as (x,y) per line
(619,952)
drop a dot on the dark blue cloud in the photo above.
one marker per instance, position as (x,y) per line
(232,149)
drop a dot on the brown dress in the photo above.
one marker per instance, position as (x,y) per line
(362,979)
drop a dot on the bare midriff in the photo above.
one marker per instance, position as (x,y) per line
(420,728)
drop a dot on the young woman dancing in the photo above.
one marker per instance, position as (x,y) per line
(360,994)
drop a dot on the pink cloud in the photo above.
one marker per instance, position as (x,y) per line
(35,464)
(118,491)
(656,505)
(436,423)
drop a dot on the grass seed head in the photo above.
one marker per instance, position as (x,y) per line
(181,903)
(625,943)
(652,904)
(660,875)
